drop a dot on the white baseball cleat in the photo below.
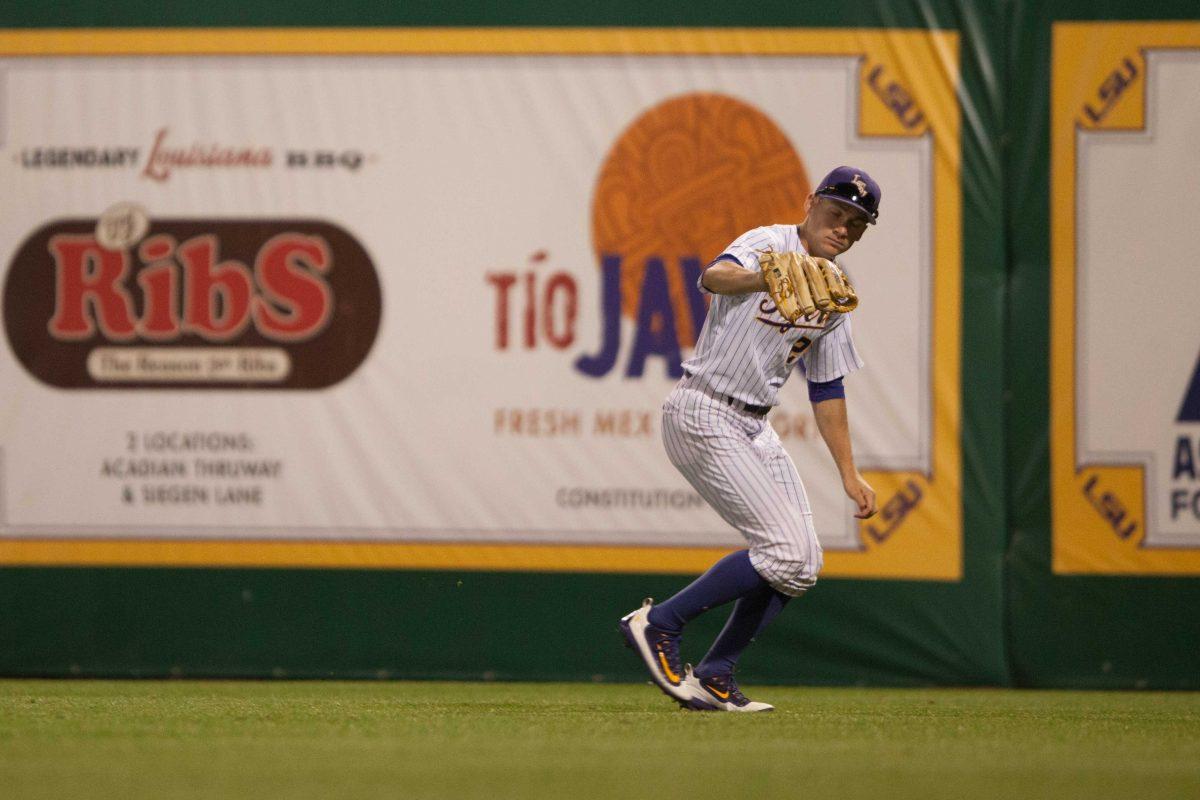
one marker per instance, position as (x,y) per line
(659,651)
(719,693)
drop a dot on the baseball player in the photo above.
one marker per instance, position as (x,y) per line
(778,298)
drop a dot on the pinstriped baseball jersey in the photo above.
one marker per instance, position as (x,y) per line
(747,350)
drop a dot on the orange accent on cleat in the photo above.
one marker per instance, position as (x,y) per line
(666,668)
(717,692)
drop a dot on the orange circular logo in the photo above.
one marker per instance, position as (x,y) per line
(684,180)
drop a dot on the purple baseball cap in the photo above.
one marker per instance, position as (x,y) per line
(854,187)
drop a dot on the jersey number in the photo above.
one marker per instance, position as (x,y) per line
(798,349)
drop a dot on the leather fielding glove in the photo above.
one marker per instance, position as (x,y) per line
(802,285)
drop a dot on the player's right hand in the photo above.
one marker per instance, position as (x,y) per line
(858,490)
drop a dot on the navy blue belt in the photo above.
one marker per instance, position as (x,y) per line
(758,411)
(749,408)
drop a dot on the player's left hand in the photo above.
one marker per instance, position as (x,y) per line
(801,285)
(858,490)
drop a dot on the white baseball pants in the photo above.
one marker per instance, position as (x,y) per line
(738,465)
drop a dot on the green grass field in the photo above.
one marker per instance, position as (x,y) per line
(188,739)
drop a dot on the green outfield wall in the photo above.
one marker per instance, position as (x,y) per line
(991,581)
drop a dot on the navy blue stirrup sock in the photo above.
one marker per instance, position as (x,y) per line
(728,579)
(751,615)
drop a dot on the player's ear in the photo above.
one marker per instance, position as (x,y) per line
(809,202)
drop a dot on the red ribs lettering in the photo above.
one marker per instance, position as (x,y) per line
(296,302)
(89,278)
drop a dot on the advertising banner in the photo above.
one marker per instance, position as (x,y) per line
(1125,376)
(415,298)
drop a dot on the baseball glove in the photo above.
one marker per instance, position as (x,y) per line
(802,285)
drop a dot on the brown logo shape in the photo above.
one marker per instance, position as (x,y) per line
(198,304)
(684,180)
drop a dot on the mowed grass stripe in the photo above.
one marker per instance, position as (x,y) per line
(191,739)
